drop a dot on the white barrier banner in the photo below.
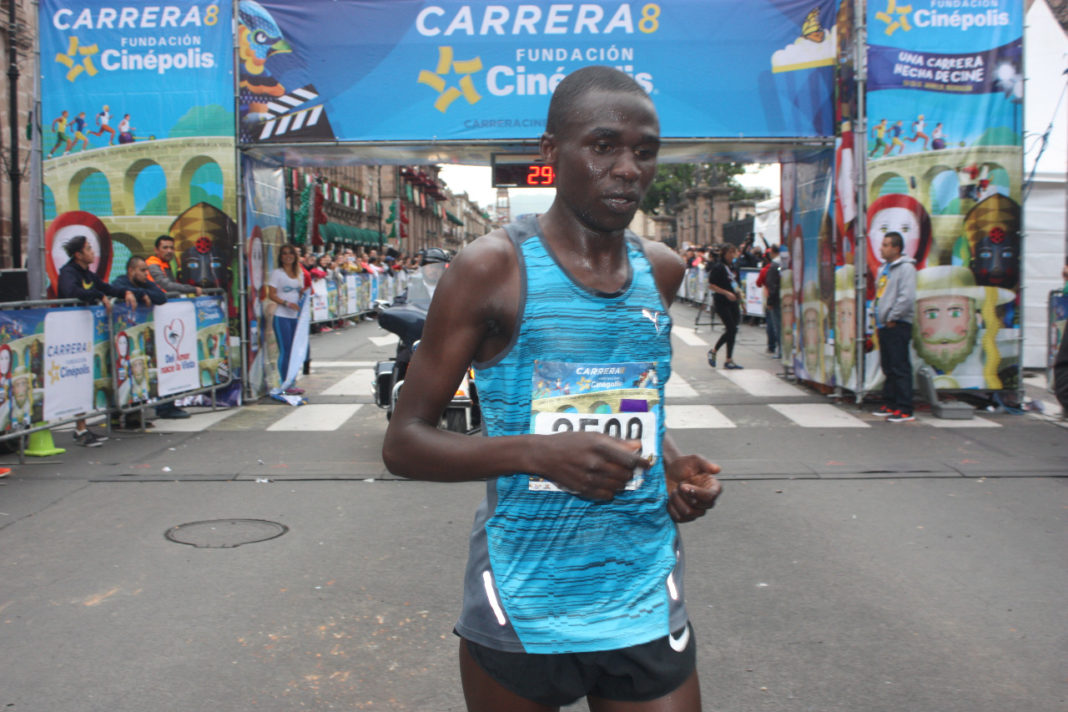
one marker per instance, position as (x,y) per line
(754,295)
(176,347)
(350,294)
(68,363)
(320,302)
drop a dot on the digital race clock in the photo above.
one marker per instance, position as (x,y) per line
(522,172)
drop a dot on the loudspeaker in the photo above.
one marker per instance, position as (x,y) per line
(14,285)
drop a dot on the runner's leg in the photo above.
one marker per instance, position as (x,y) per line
(685,698)
(484,694)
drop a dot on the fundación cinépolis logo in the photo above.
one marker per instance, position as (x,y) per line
(78,58)
(448,69)
(895,17)
(958,15)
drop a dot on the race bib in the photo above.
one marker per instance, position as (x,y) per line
(619,400)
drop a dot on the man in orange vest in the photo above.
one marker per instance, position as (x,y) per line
(159,268)
(159,271)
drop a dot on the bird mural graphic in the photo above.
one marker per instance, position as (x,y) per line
(268,111)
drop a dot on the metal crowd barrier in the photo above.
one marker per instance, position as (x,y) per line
(24,353)
(221,364)
(384,288)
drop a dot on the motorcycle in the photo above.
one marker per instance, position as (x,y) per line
(406,318)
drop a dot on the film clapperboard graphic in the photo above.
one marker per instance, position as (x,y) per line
(295,116)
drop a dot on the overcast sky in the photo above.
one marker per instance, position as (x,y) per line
(475,180)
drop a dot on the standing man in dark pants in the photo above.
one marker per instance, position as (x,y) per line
(770,281)
(895,306)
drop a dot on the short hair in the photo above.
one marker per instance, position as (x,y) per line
(774,249)
(580,82)
(896,240)
(134,259)
(161,238)
(75,245)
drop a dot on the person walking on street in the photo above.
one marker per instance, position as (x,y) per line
(77,281)
(571,588)
(723,282)
(895,307)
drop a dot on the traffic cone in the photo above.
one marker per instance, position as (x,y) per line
(42,445)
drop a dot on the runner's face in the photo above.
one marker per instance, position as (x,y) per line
(605,157)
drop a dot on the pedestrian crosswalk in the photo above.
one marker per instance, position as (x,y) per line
(753,397)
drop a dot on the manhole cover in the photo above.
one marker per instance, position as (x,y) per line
(225,533)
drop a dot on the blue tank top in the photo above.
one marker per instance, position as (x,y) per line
(548,571)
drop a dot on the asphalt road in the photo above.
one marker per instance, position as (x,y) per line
(875,567)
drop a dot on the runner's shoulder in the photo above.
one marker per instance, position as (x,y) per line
(489,257)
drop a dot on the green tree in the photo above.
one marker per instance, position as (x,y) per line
(674,179)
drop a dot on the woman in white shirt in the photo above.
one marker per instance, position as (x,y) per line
(284,289)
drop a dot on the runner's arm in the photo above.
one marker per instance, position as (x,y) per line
(691,482)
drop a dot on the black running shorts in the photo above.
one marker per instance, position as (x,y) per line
(636,674)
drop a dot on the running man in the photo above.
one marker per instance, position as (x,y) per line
(895,138)
(125,130)
(59,125)
(78,124)
(917,131)
(103,121)
(879,131)
(572,586)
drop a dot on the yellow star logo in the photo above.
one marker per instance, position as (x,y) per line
(436,79)
(53,373)
(73,52)
(892,23)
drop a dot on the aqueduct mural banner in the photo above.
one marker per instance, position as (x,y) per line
(944,167)
(138,133)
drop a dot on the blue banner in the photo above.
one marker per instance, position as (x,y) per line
(137,119)
(970,73)
(354,70)
(945,170)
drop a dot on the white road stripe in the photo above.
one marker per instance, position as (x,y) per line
(818,415)
(358,383)
(387,340)
(194,424)
(677,387)
(760,383)
(342,364)
(316,417)
(687,336)
(695,417)
(951,423)
(1036,381)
